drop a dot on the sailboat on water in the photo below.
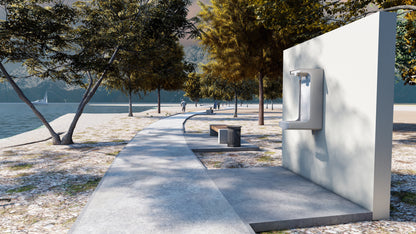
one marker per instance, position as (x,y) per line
(43,101)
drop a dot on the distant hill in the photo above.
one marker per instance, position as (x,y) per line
(61,92)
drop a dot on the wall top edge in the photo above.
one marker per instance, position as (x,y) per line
(376,16)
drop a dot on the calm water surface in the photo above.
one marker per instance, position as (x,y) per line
(17,118)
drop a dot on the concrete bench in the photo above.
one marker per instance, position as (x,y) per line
(214,129)
(230,135)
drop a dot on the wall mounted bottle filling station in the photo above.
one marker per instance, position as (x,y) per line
(310,101)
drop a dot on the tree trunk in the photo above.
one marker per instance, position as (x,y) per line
(130,102)
(235,103)
(272,103)
(56,140)
(67,139)
(158,100)
(261,100)
(130,105)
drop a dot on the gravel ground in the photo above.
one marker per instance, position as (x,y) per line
(269,139)
(43,187)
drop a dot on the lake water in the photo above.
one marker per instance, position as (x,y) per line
(16,118)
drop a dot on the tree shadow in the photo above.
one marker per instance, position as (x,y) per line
(404,127)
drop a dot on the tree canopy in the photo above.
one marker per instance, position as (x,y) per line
(406,28)
(247,38)
(80,44)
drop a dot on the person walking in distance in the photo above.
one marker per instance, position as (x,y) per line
(183,105)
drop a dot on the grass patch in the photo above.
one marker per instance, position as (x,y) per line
(61,156)
(265,159)
(32,156)
(276,232)
(21,189)
(30,219)
(411,172)
(23,175)
(118,141)
(70,221)
(21,166)
(405,172)
(90,142)
(115,153)
(9,153)
(118,130)
(73,189)
(406,197)
(216,164)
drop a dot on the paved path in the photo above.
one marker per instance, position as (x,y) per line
(157,185)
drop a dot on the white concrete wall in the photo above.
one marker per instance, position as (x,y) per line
(351,155)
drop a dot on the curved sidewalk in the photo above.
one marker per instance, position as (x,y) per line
(157,185)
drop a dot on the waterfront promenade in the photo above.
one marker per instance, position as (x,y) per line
(157,185)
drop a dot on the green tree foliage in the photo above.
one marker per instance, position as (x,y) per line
(36,32)
(168,70)
(214,86)
(128,76)
(405,50)
(79,44)
(156,57)
(272,89)
(192,87)
(241,47)
(296,21)
(406,28)
(247,38)
(406,39)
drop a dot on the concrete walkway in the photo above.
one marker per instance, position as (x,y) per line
(157,185)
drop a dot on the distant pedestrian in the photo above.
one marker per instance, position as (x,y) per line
(183,105)
(218,106)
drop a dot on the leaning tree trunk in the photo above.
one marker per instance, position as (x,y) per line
(261,100)
(89,93)
(235,103)
(158,100)
(56,140)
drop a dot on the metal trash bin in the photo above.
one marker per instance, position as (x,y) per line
(234,136)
